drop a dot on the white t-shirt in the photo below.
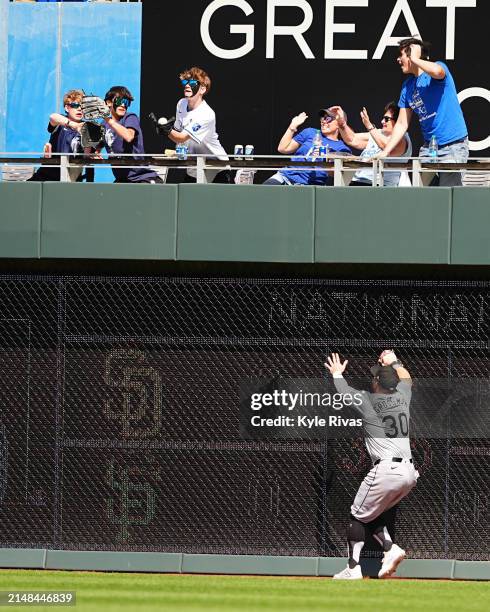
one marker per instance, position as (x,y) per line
(200,124)
(390,179)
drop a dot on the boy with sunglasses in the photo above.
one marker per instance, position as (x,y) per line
(123,135)
(195,123)
(372,142)
(64,133)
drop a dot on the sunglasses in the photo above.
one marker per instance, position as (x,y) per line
(74,105)
(121,102)
(327,118)
(386,118)
(190,82)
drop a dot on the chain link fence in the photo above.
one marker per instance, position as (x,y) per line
(120,413)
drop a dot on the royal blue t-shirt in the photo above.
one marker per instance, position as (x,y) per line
(435,101)
(301,176)
(115,144)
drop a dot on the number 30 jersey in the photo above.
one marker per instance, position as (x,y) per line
(385,419)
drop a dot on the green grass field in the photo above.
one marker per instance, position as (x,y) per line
(97,592)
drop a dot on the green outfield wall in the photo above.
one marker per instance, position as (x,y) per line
(249,223)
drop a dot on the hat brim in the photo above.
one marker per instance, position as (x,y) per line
(325,111)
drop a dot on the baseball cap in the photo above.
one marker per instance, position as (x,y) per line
(327,111)
(386,375)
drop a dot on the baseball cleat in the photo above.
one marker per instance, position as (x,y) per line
(349,574)
(391,560)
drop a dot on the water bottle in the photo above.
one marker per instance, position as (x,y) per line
(181,150)
(324,151)
(433,150)
(317,143)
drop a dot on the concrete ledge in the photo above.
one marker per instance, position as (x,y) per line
(33,558)
(182,563)
(426,568)
(114,561)
(249,564)
(472,570)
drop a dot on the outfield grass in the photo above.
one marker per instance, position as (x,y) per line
(97,592)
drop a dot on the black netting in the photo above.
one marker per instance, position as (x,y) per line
(120,413)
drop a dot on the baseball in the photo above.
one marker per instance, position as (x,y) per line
(162,121)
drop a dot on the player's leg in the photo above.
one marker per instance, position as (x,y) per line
(393,554)
(380,528)
(361,509)
(356,536)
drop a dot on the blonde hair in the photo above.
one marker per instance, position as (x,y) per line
(74,95)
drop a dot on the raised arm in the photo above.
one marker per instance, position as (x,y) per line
(379,138)
(399,131)
(56,119)
(125,133)
(388,357)
(351,138)
(434,70)
(287,145)
(337,369)
(362,403)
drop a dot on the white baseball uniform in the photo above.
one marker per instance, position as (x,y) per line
(386,429)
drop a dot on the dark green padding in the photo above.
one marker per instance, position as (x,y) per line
(105,221)
(249,564)
(392,225)
(245,223)
(114,561)
(20,214)
(471,222)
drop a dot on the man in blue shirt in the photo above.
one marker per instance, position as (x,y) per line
(430,93)
(302,144)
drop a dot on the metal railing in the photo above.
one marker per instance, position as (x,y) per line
(16,166)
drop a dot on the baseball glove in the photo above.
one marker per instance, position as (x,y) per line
(94,107)
(163,126)
(92,135)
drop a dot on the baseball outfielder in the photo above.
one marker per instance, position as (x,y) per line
(385,414)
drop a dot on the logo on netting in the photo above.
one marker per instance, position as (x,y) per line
(133,501)
(136,402)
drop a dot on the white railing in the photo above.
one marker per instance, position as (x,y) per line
(20,166)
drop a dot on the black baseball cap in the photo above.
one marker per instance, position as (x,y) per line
(386,376)
(326,111)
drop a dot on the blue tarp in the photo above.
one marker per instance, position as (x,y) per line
(54,48)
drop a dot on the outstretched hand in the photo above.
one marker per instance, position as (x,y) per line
(334,365)
(339,115)
(365,118)
(298,120)
(387,357)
